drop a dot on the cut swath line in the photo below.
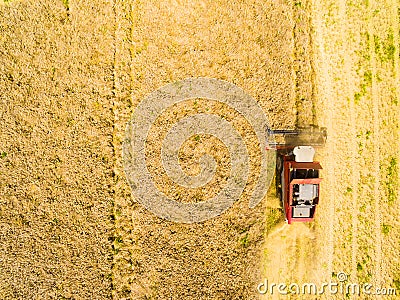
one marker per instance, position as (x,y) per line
(375,98)
(355,172)
(328,114)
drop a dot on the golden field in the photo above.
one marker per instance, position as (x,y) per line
(72,73)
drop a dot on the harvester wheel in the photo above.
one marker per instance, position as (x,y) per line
(279,166)
(279,193)
(279,163)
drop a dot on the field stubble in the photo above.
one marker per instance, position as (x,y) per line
(357,58)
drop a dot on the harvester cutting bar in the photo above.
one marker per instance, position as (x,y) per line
(311,136)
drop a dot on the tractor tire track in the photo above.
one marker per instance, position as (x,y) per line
(123,241)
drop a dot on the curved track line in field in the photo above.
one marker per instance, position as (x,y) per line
(330,180)
(355,171)
(278,230)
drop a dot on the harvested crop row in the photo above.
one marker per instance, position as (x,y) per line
(362,119)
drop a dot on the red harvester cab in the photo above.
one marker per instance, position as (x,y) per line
(300,189)
(297,174)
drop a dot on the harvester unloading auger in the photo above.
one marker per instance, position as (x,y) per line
(297,174)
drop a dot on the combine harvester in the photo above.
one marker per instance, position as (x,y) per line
(297,174)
